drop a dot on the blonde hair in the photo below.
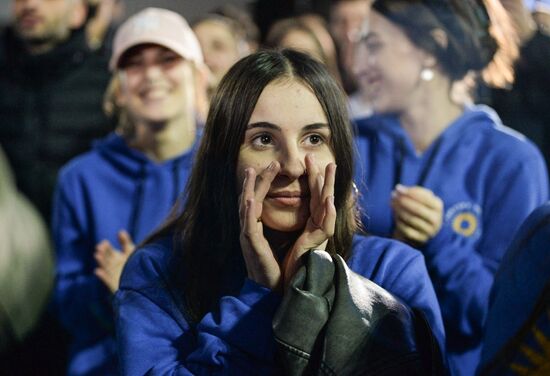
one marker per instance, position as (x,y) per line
(114,110)
(500,71)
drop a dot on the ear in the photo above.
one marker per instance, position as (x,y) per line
(440,38)
(78,13)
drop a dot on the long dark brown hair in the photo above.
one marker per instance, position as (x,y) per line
(206,230)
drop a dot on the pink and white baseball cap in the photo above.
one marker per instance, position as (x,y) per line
(158,26)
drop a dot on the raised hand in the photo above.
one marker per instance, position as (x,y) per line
(521,17)
(418,214)
(261,263)
(111,261)
(322,215)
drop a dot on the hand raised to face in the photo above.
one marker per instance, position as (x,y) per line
(262,264)
(321,223)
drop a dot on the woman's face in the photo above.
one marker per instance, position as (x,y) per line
(388,65)
(302,41)
(218,45)
(157,84)
(287,123)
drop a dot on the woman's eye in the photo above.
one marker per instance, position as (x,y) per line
(314,139)
(262,140)
(373,46)
(167,59)
(132,64)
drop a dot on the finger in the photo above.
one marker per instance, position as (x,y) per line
(106,279)
(330,178)
(252,225)
(415,222)
(327,183)
(409,233)
(329,222)
(415,208)
(420,194)
(103,246)
(247,193)
(248,184)
(126,243)
(264,180)
(100,258)
(102,275)
(312,180)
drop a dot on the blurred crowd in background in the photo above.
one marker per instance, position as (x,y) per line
(66,82)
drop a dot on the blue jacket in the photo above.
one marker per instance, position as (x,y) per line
(516,337)
(110,188)
(489,178)
(155,338)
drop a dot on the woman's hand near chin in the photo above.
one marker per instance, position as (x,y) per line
(322,216)
(261,263)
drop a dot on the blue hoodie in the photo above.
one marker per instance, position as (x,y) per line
(489,178)
(110,188)
(155,338)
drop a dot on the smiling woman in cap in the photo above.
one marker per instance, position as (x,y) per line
(121,190)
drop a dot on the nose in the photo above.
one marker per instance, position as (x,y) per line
(292,161)
(152,71)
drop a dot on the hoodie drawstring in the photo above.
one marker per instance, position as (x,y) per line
(138,203)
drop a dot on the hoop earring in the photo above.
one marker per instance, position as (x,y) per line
(426,74)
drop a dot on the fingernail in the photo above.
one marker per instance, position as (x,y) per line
(401,188)
(331,198)
(271,165)
(393,194)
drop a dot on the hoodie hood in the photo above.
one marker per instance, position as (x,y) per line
(148,187)
(132,162)
(469,122)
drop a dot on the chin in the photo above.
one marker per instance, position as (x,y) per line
(285,222)
(159,117)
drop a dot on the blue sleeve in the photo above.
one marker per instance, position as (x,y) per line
(237,340)
(463,272)
(81,302)
(401,270)
(413,286)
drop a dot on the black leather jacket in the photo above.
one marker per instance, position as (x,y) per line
(333,321)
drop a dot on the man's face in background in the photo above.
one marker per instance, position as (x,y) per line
(46,22)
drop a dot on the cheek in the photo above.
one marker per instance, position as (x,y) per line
(250,160)
(324,158)
(129,85)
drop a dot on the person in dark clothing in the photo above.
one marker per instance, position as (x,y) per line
(524,106)
(51,91)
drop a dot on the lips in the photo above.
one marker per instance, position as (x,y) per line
(287,198)
(154,94)
(29,22)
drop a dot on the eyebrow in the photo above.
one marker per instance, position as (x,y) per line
(266,124)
